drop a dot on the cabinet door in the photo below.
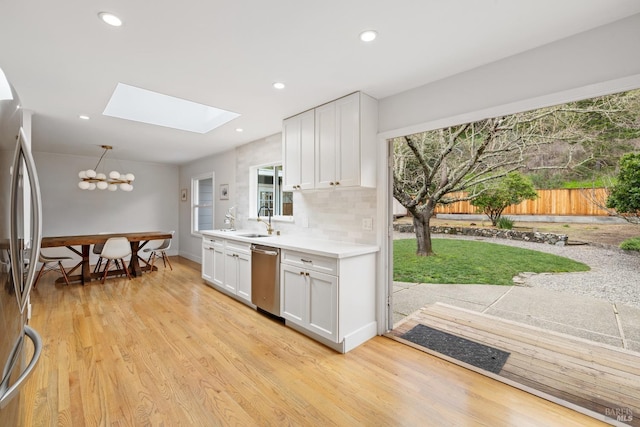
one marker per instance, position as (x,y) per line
(231,272)
(207,263)
(244,276)
(218,265)
(298,142)
(325,161)
(323,305)
(347,145)
(293,294)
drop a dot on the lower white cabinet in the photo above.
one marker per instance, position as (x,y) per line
(310,299)
(330,299)
(226,264)
(213,261)
(237,269)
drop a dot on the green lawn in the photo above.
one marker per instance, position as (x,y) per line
(473,262)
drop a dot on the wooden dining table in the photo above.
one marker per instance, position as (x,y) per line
(137,240)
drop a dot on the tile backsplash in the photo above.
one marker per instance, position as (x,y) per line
(328,214)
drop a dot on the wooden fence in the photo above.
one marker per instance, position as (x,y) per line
(549,202)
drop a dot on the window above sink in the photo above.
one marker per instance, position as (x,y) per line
(266,193)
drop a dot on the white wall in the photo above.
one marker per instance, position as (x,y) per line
(330,214)
(68,210)
(224,167)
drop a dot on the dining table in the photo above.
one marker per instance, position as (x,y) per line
(137,240)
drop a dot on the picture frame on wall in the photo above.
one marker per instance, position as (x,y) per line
(224,191)
(183,195)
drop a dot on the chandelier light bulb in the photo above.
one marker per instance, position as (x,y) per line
(91,179)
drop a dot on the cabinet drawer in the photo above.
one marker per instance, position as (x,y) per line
(310,262)
(238,247)
(212,241)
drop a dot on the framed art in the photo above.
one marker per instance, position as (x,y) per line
(224,191)
(183,195)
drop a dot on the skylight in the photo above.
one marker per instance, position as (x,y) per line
(141,105)
(5,89)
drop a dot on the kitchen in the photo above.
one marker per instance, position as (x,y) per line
(341,214)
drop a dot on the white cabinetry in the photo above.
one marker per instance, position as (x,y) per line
(334,142)
(331,299)
(298,151)
(213,260)
(237,269)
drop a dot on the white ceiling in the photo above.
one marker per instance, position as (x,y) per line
(64,61)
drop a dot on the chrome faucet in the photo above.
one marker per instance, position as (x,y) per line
(268,224)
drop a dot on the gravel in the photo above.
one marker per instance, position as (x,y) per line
(614,274)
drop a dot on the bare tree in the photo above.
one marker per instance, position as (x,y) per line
(430,167)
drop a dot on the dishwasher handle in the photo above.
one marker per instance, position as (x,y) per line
(263,251)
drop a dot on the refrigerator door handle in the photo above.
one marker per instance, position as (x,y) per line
(22,280)
(37,349)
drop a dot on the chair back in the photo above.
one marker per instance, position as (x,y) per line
(165,244)
(116,248)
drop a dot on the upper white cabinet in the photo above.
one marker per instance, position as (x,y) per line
(298,151)
(343,141)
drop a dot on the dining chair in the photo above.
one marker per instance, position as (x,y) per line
(115,249)
(46,266)
(161,250)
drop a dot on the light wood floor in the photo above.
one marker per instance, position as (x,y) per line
(600,378)
(165,350)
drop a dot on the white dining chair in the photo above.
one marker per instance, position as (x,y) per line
(46,266)
(160,250)
(115,249)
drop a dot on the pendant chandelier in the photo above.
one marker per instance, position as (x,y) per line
(92,179)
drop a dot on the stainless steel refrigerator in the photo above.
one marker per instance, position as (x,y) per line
(20,231)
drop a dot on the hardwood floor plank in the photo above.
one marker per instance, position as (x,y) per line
(166,349)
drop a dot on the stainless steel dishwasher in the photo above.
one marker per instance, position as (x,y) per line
(265,278)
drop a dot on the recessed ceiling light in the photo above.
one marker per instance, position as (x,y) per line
(278,85)
(141,105)
(239,130)
(110,19)
(83,117)
(368,36)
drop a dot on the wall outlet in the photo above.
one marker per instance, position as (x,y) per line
(367,224)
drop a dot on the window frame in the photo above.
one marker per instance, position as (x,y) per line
(196,204)
(253,191)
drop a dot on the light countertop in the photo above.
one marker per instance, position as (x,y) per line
(329,248)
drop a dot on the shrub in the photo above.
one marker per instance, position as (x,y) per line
(505,223)
(632,244)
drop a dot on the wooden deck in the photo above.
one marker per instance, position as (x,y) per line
(601,378)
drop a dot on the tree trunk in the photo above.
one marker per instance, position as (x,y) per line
(423,233)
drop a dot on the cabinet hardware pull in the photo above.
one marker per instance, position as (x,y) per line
(302,273)
(306,274)
(306,260)
(331,183)
(337,182)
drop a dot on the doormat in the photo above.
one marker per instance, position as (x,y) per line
(479,355)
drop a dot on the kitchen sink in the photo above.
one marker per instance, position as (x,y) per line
(253,235)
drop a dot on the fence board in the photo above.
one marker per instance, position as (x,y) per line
(566,201)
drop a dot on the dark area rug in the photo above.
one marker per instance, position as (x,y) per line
(476,354)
